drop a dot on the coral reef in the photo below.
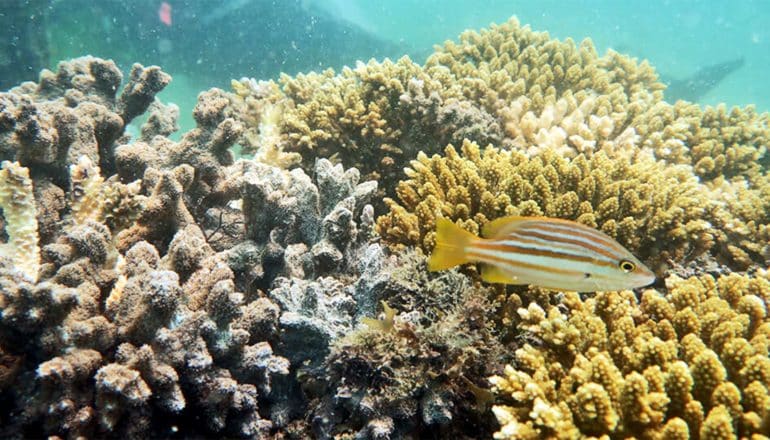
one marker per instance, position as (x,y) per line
(506,85)
(660,212)
(74,112)
(238,282)
(690,362)
(411,372)
(136,302)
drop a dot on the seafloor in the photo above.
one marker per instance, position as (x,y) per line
(154,288)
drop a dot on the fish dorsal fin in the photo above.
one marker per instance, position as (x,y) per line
(493,274)
(503,226)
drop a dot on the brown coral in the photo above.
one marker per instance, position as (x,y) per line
(693,360)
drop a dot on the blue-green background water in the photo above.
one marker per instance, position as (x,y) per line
(209,42)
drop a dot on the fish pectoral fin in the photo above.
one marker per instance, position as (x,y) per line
(493,274)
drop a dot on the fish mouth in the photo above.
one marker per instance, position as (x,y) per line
(645,279)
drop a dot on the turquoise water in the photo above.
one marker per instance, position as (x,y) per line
(208,43)
(678,37)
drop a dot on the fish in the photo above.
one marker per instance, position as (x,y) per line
(551,253)
(164,13)
(701,82)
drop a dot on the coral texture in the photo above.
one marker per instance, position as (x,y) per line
(17,201)
(414,371)
(506,85)
(206,285)
(74,112)
(658,211)
(692,361)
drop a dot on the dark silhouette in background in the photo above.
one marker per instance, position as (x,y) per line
(211,41)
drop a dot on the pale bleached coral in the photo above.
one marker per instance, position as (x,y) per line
(260,106)
(498,65)
(571,132)
(690,360)
(17,201)
(86,188)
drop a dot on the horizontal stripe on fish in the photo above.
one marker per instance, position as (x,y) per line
(516,266)
(546,238)
(521,252)
(551,253)
(571,231)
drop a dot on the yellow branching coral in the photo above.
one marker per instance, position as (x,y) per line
(377,115)
(498,65)
(654,209)
(111,202)
(87,200)
(691,361)
(259,105)
(505,64)
(715,141)
(17,201)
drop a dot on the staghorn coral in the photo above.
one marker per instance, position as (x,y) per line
(657,211)
(691,361)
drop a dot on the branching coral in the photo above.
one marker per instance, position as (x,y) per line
(658,211)
(498,65)
(182,289)
(74,112)
(373,116)
(688,362)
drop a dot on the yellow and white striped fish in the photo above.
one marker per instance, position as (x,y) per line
(541,251)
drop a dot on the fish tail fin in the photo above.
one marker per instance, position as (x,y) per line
(451,244)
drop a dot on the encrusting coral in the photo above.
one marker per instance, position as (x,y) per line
(688,363)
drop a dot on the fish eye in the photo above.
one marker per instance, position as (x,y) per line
(627,266)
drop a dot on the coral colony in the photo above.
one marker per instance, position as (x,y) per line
(158,288)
